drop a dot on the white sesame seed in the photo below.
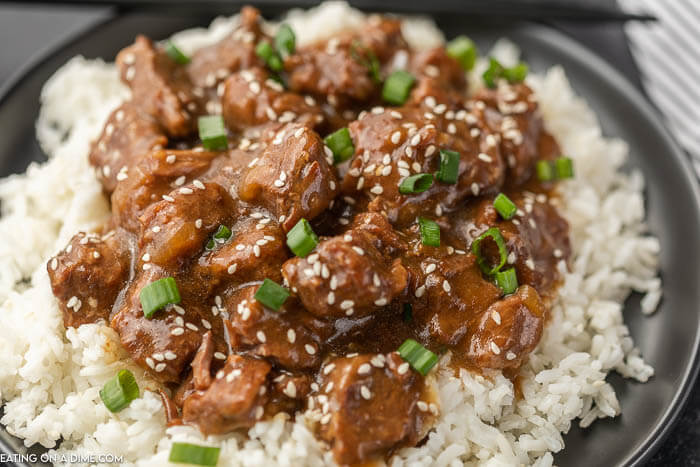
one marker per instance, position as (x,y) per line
(422,406)
(290,390)
(198,184)
(446,286)
(219,356)
(331,298)
(191,327)
(256,251)
(156,229)
(485,157)
(365,392)
(396,137)
(475,189)
(261,336)
(310,349)
(358,250)
(160,367)
(416,167)
(496,317)
(150,362)
(377,190)
(169,198)
(420,291)
(346,304)
(177,331)
(381,301)
(170,355)
(495,348)
(170,158)
(530,264)
(403,368)
(430,268)
(364,369)
(510,356)
(291,335)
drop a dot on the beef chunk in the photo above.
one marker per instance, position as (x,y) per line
(372,406)
(292,178)
(508,331)
(86,277)
(235,52)
(252,98)
(514,115)
(328,280)
(179,225)
(278,335)
(235,399)
(127,136)
(156,174)
(392,145)
(159,86)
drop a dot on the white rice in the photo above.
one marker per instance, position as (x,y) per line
(50,376)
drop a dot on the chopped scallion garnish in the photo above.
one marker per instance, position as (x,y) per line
(285,40)
(564,167)
(158,294)
(340,144)
(517,73)
(118,392)
(397,87)
(176,54)
(268,55)
(212,132)
(505,207)
(271,294)
(449,166)
(492,73)
(222,234)
(429,232)
(185,453)
(420,358)
(367,58)
(496,236)
(417,183)
(301,239)
(544,171)
(463,50)
(507,280)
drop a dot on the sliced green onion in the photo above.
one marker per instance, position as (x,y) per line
(285,40)
(429,232)
(496,236)
(301,239)
(420,358)
(449,166)
(212,132)
(517,73)
(544,171)
(397,87)
(340,144)
(268,55)
(222,234)
(463,50)
(118,392)
(564,167)
(185,453)
(176,54)
(271,294)
(371,62)
(158,294)
(492,73)
(505,207)
(416,184)
(407,314)
(507,280)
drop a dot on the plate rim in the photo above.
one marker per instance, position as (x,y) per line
(564,44)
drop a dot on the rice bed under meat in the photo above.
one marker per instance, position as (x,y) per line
(50,377)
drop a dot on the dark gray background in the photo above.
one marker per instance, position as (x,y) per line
(28,31)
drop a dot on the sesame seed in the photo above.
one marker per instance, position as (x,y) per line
(364,369)
(422,406)
(329,387)
(198,184)
(261,336)
(396,137)
(495,348)
(510,356)
(206,323)
(511,257)
(530,264)
(331,298)
(178,309)
(169,198)
(430,268)
(378,361)
(54,264)
(346,304)
(485,157)
(496,317)
(191,327)
(156,229)
(150,362)
(160,367)
(403,368)
(420,291)
(358,250)
(219,355)
(451,128)
(377,190)
(381,301)
(416,167)
(310,349)
(328,368)
(291,335)
(366,394)
(475,189)
(170,355)
(326,418)
(446,286)
(333,283)
(290,390)
(170,158)
(177,331)
(256,251)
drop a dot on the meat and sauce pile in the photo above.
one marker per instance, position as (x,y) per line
(311,228)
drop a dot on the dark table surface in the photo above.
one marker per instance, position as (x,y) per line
(26,31)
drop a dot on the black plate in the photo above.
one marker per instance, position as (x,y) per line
(669,340)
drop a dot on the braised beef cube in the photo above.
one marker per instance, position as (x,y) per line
(292,178)
(508,331)
(166,343)
(389,149)
(86,277)
(252,98)
(278,335)
(154,175)
(373,406)
(519,124)
(159,86)
(435,64)
(449,292)
(235,399)
(179,225)
(328,280)
(127,136)
(383,37)
(212,64)
(255,251)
